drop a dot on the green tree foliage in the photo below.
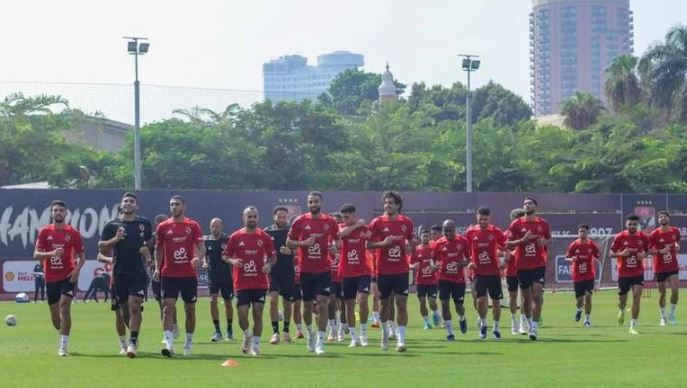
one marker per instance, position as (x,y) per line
(581,110)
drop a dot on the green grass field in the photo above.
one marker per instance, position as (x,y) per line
(566,354)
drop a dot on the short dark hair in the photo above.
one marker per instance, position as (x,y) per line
(179,198)
(58,202)
(516,213)
(315,193)
(424,230)
(632,217)
(533,200)
(131,195)
(664,212)
(347,208)
(436,228)
(398,198)
(483,211)
(336,215)
(583,226)
(160,217)
(278,209)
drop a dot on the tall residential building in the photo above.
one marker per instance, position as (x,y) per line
(289,78)
(571,44)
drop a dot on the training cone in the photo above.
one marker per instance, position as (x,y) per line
(230,363)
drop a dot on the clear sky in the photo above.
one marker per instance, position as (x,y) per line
(222,44)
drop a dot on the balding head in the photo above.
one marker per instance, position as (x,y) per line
(449,229)
(216,227)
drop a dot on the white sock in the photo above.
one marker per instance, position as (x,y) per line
(673,306)
(401,333)
(663,312)
(299,326)
(309,328)
(351,331)
(633,323)
(344,327)
(513,318)
(449,327)
(579,309)
(375,316)
(461,318)
(122,341)
(256,341)
(392,326)
(496,325)
(332,324)
(587,317)
(363,329)
(169,338)
(320,336)
(246,333)
(64,340)
(534,324)
(426,318)
(387,327)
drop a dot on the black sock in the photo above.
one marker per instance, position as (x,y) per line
(134,338)
(275,327)
(286,326)
(216,323)
(230,331)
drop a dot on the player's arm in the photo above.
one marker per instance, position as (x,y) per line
(345,231)
(200,253)
(111,236)
(40,254)
(105,257)
(271,261)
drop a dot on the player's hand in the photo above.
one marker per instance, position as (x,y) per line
(58,252)
(74,275)
(156,275)
(205,264)
(266,268)
(625,252)
(144,251)
(284,250)
(387,241)
(308,241)
(529,236)
(362,222)
(237,263)
(471,266)
(194,262)
(664,250)
(503,265)
(541,242)
(641,255)
(121,233)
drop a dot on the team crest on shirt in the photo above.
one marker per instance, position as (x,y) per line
(403,228)
(491,237)
(224,246)
(362,234)
(67,238)
(259,243)
(641,243)
(661,240)
(539,228)
(626,243)
(188,230)
(326,227)
(141,227)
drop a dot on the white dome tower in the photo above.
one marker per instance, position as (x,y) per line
(387,90)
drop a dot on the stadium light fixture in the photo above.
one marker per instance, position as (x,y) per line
(136,49)
(469,64)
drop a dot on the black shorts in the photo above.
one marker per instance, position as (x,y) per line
(397,284)
(126,284)
(427,290)
(584,286)
(337,290)
(527,277)
(624,284)
(188,287)
(663,276)
(373,279)
(61,287)
(488,283)
(223,285)
(250,297)
(455,290)
(313,284)
(513,283)
(156,290)
(283,282)
(355,285)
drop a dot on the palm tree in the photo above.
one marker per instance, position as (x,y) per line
(17,104)
(623,87)
(581,110)
(665,65)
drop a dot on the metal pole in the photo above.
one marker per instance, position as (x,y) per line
(468,164)
(137,125)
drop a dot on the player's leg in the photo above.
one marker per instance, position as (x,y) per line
(350,311)
(588,305)
(287,303)
(274,313)
(242,304)
(674,283)
(537,293)
(331,318)
(136,293)
(322,287)
(401,300)
(637,288)
(623,290)
(376,303)
(189,293)
(479,287)
(458,295)
(169,292)
(661,282)
(258,303)
(120,328)
(297,314)
(424,312)
(496,295)
(65,303)
(343,321)
(444,299)
(214,310)
(53,304)
(227,292)
(432,293)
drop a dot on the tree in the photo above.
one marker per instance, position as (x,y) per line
(494,101)
(665,65)
(352,87)
(581,110)
(623,87)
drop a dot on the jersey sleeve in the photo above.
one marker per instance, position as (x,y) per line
(334,229)
(41,241)
(571,249)
(513,232)
(230,250)
(410,231)
(615,246)
(109,231)
(500,238)
(147,231)
(160,235)
(547,231)
(295,231)
(77,241)
(269,246)
(595,250)
(197,233)
(677,235)
(374,231)
(645,246)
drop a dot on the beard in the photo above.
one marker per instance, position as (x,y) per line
(315,209)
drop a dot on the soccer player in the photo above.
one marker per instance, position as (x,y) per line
(392,236)
(486,240)
(155,284)
(313,233)
(39,282)
(337,325)
(251,253)
(530,235)
(297,311)
(630,247)
(511,273)
(664,243)
(127,238)
(179,251)
(451,254)
(583,254)
(374,289)
(426,279)
(120,325)
(60,247)
(435,233)
(354,271)
(219,278)
(282,277)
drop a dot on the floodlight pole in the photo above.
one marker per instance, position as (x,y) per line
(468,122)
(137,115)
